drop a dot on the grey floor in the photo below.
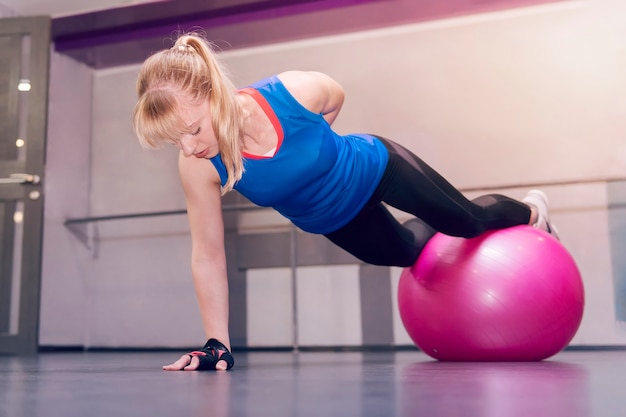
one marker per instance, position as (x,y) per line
(403,383)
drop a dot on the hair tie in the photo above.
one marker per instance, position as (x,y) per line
(182,48)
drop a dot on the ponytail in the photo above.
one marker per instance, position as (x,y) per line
(190,67)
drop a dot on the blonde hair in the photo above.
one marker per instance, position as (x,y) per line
(189,73)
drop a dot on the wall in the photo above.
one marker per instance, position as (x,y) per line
(506,100)
(65,298)
(6,11)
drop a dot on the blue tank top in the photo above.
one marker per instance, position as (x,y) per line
(316,178)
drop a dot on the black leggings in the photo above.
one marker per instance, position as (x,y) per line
(410,185)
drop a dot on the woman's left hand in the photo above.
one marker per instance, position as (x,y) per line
(213,356)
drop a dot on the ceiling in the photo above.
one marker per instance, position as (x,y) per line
(119,32)
(57,8)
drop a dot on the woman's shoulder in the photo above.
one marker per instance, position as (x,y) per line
(316,91)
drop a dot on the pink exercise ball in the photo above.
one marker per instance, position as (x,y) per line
(513,294)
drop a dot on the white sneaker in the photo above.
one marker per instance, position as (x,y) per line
(539,201)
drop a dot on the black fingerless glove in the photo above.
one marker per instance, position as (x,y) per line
(213,352)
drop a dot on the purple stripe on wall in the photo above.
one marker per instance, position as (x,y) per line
(128,35)
(154,19)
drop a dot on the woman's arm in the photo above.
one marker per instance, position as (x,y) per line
(316,91)
(201,184)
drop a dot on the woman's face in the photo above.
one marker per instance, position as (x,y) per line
(201,142)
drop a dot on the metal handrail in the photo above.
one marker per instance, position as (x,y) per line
(251,207)
(79,220)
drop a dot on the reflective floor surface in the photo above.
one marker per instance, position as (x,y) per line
(403,383)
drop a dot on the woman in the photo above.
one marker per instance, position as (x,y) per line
(273,143)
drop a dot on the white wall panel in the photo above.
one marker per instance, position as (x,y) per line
(140,288)
(400,335)
(270,307)
(65,261)
(329,310)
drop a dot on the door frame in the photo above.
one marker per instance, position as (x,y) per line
(26,338)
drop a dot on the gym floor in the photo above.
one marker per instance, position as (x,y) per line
(390,383)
